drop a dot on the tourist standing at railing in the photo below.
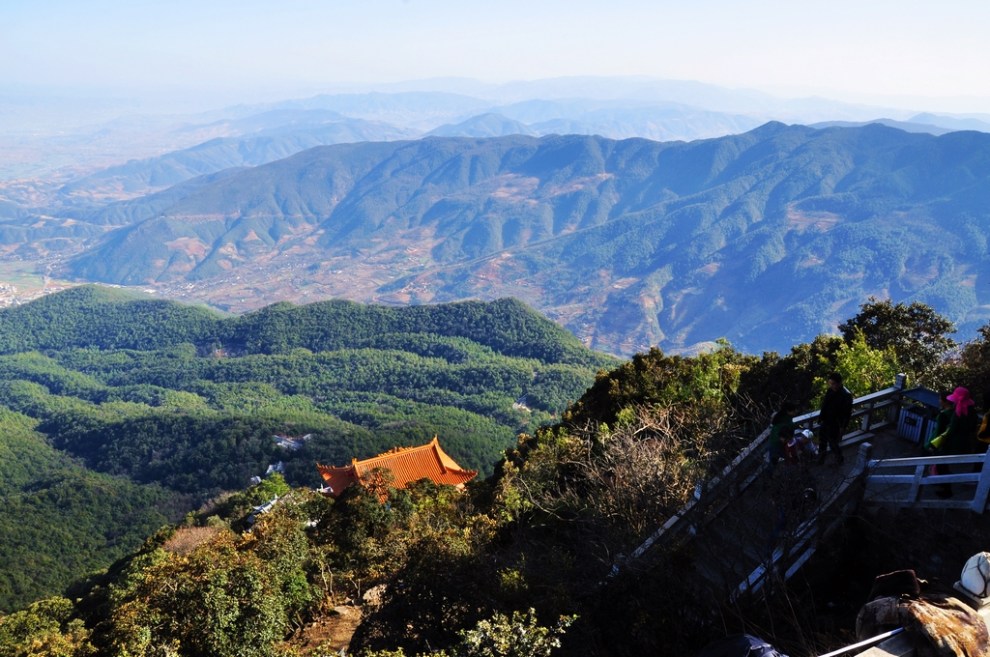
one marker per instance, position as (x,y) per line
(958,436)
(834,417)
(946,410)
(781,431)
(983,435)
(981,441)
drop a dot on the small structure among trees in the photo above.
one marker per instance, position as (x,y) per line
(404,464)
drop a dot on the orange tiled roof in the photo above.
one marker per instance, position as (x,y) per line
(407,464)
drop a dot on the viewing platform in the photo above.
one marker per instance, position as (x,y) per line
(755,525)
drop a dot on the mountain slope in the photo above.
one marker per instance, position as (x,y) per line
(61,520)
(765,238)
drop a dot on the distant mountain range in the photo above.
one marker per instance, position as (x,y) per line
(765,238)
(144,153)
(293,132)
(545,190)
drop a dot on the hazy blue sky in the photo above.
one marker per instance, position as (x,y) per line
(892,51)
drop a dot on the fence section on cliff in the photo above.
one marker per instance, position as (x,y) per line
(707,519)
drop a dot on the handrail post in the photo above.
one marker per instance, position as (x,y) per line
(859,473)
(982,487)
(894,411)
(862,459)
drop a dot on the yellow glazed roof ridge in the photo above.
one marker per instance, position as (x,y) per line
(407,464)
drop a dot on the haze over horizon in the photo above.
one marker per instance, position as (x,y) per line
(194,56)
(95,187)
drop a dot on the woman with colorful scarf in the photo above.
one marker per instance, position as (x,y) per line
(958,436)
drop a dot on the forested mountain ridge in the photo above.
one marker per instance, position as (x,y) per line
(106,318)
(103,394)
(763,238)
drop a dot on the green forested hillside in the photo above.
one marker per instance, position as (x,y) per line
(102,318)
(61,520)
(108,318)
(182,403)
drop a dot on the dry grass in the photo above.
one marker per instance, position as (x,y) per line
(187,539)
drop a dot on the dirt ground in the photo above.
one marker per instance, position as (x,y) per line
(330,634)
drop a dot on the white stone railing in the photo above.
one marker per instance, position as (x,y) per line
(907,482)
(873,412)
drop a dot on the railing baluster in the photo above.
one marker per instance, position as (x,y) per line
(982,487)
(919,475)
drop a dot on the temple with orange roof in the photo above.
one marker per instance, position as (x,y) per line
(406,464)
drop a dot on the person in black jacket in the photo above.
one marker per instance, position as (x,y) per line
(833,417)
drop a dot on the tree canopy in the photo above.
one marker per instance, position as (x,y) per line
(918,335)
